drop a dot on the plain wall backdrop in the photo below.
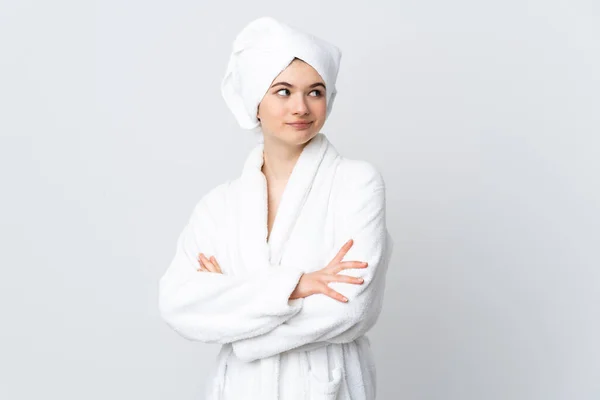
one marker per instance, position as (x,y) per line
(483,118)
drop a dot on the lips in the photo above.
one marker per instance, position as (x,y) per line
(299,124)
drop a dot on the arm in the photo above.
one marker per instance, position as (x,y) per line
(217,308)
(323,320)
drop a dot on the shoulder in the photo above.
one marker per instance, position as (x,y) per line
(361,193)
(359,175)
(214,200)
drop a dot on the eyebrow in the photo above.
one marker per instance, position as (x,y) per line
(291,86)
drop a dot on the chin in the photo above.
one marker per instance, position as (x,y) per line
(292,136)
(295,137)
(301,137)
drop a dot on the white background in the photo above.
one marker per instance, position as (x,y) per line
(483,118)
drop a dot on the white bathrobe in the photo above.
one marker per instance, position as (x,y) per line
(272,347)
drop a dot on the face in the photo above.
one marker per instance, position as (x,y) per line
(293,109)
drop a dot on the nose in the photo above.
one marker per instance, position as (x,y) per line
(299,105)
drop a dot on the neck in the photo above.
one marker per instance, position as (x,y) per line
(279,159)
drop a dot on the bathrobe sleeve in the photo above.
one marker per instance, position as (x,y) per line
(218,308)
(323,320)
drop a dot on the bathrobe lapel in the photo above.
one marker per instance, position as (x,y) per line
(295,194)
(252,208)
(253,202)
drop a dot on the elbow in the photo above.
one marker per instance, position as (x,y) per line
(358,327)
(368,301)
(165,304)
(179,323)
(171,314)
(361,311)
(166,312)
(368,317)
(368,308)
(187,324)
(360,318)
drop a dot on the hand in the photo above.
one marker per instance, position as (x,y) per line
(316,282)
(208,265)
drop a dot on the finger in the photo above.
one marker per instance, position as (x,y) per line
(216,264)
(354,264)
(334,295)
(201,268)
(207,264)
(349,265)
(347,279)
(340,255)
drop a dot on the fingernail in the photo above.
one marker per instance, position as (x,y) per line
(345,299)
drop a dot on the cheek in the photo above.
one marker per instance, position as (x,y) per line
(271,111)
(282,112)
(320,109)
(276,109)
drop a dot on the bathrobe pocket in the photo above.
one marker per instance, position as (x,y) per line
(326,372)
(328,389)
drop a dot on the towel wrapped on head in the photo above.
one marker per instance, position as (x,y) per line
(261,51)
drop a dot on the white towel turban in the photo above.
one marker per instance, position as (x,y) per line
(261,51)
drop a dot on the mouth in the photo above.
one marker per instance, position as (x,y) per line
(300,125)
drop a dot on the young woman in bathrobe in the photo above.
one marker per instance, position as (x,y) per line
(284,266)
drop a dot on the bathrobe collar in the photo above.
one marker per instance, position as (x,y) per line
(294,195)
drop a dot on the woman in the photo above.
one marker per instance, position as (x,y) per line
(284,266)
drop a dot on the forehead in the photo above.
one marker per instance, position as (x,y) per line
(299,73)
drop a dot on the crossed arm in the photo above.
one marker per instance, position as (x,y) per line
(217,308)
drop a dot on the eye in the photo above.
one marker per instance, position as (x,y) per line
(319,94)
(280,90)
